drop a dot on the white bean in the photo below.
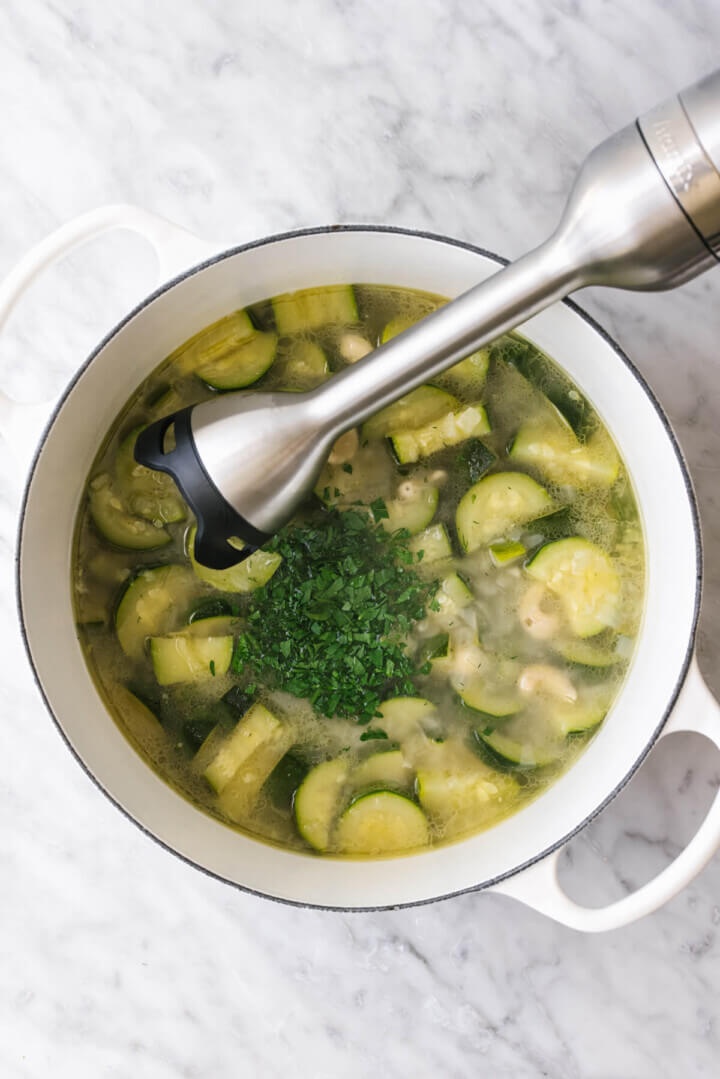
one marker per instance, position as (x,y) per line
(537,622)
(542,678)
(353,347)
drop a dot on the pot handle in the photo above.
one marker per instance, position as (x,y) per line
(176,249)
(538,886)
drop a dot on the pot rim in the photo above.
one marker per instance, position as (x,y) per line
(595,326)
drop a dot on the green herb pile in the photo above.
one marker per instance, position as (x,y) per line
(331,622)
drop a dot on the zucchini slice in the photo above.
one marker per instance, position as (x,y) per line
(214,342)
(118,526)
(246,576)
(587,653)
(382,822)
(310,308)
(584,578)
(555,451)
(151,605)
(218,626)
(448,430)
(583,715)
(477,694)
(520,752)
(256,728)
(415,409)
(434,543)
(456,788)
(146,493)
(497,504)
(190,659)
(241,365)
(383,770)
(317,800)
(413,514)
(403,716)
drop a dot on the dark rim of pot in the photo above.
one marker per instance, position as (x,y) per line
(422,234)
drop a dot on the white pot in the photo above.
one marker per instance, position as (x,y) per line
(663,690)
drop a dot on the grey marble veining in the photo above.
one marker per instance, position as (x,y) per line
(236,120)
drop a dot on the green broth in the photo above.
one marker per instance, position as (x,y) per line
(521,630)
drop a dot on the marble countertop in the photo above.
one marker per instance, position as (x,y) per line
(236,120)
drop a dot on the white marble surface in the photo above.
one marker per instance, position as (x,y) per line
(237,119)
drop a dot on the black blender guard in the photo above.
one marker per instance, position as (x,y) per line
(217,521)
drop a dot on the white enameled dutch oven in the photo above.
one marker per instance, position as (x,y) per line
(663,691)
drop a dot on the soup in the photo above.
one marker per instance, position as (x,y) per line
(431,641)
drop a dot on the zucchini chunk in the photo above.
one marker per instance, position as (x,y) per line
(452,595)
(382,822)
(475,459)
(146,493)
(468,376)
(240,795)
(246,576)
(317,801)
(285,779)
(256,728)
(151,604)
(241,365)
(556,453)
(502,553)
(555,386)
(414,513)
(396,326)
(584,578)
(309,308)
(190,659)
(448,430)
(497,504)
(434,543)
(118,526)
(415,409)
(141,723)
(433,648)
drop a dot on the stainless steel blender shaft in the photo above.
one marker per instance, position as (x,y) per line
(644,213)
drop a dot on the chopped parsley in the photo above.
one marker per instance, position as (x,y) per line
(379,509)
(372,732)
(331,623)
